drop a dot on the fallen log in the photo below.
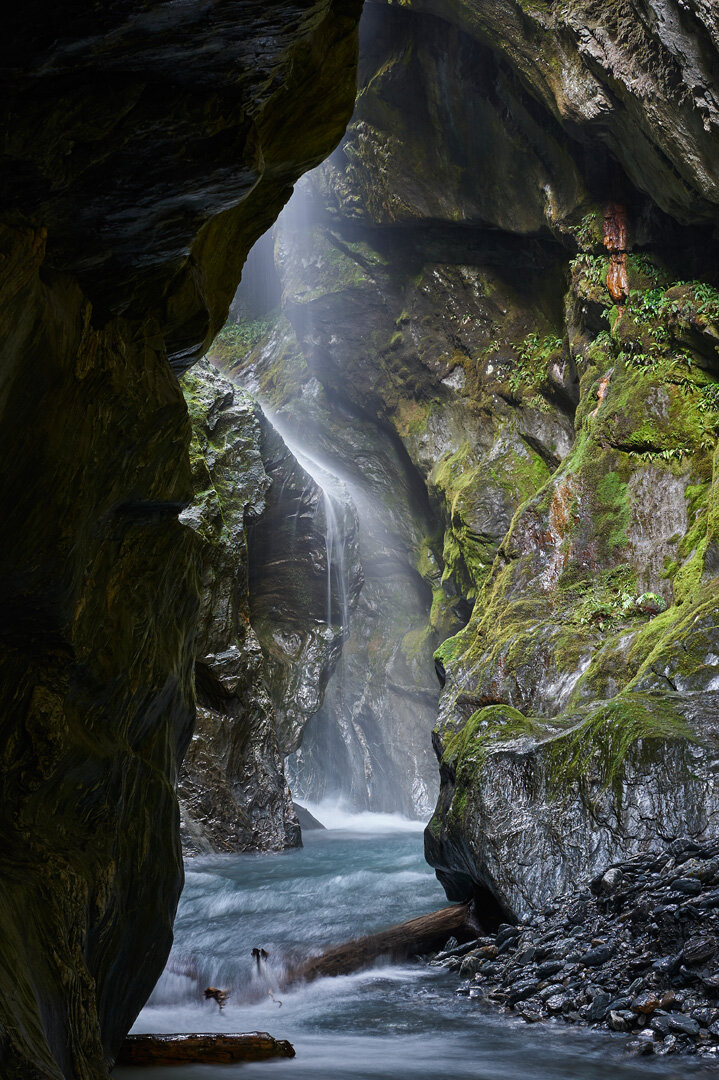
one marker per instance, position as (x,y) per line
(201,1049)
(419,935)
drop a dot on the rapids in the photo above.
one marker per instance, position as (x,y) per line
(365,872)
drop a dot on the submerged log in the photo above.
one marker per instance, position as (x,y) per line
(397,943)
(201,1049)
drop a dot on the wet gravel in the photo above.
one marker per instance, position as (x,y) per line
(636,950)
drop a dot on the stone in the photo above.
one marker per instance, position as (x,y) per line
(600,1006)
(611,881)
(525,955)
(530,1011)
(521,989)
(684,1025)
(666,965)
(660,1023)
(470,966)
(690,886)
(549,968)
(127,215)
(640,1047)
(597,956)
(620,1020)
(557,1002)
(698,950)
(647,1002)
(252,499)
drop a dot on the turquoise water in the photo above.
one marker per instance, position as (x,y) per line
(365,873)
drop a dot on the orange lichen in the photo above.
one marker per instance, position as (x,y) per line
(615,241)
(561,522)
(602,391)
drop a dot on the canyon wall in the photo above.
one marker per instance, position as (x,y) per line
(507,271)
(146,147)
(267,643)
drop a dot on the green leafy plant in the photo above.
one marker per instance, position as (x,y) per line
(245,335)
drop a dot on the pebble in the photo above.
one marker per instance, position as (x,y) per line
(690,886)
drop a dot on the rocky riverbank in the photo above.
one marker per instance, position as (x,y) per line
(636,950)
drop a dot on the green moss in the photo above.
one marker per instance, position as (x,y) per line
(454,647)
(411,417)
(615,512)
(415,643)
(486,727)
(677,640)
(442,617)
(463,481)
(235,340)
(593,745)
(600,742)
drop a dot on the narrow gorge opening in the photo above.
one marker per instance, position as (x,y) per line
(384,611)
(486,428)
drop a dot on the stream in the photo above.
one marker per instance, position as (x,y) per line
(365,872)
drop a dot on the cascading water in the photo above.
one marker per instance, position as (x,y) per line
(370,742)
(336,563)
(364,873)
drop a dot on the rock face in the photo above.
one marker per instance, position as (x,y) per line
(265,649)
(145,147)
(637,77)
(500,269)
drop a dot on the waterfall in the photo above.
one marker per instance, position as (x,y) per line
(336,496)
(335,553)
(369,743)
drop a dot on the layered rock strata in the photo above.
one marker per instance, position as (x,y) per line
(145,147)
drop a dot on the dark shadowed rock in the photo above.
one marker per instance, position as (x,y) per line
(308,822)
(131,132)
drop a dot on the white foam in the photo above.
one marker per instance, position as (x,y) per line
(337,816)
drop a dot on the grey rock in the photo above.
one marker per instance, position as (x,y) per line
(521,989)
(690,886)
(264,648)
(621,1020)
(600,1006)
(611,881)
(549,968)
(684,1025)
(595,957)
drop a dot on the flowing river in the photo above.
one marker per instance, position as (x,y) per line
(364,873)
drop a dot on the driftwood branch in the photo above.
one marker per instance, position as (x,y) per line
(201,1049)
(417,936)
(421,935)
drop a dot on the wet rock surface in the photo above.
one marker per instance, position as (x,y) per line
(565,442)
(370,740)
(131,133)
(637,76)
(265,648)
(633,951)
